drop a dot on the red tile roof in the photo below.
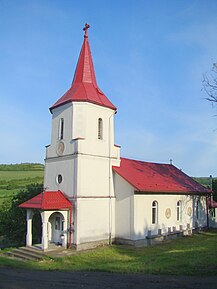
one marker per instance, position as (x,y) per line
(84,86)
(53,200)
(157,178)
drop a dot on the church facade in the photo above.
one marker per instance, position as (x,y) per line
(92,195)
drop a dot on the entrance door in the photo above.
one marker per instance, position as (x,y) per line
(56,224)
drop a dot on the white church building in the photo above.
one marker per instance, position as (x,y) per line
(92,195)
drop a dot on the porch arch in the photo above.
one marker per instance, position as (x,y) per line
(54,227)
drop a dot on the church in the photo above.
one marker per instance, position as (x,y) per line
(93,196)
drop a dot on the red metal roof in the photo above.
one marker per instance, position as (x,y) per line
(84,86)
(53,200)
(157,178)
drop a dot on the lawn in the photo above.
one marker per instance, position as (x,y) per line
(195,255)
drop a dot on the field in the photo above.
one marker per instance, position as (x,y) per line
(13,178)
(195,255)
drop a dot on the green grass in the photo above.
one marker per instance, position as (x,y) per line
(13,178)
(6,176)
(196,255)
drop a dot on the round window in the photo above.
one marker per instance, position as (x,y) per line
(59,179)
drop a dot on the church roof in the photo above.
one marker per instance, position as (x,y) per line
(48,200)
(157,178)
(84,86)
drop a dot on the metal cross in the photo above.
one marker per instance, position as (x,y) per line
(86,29)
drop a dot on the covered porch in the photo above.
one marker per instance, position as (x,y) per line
(56,217)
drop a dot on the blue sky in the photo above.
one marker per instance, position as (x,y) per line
(149,58)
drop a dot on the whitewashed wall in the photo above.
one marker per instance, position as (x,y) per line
(124,208)
(134,212)
(86,167)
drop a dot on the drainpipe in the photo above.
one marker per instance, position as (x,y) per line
(110,204)
(207,211)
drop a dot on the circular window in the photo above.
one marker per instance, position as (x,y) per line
(59,179)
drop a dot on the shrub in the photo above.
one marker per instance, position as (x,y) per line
(13,218)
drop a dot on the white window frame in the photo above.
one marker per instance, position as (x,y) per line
(179,211)
(154,213)
(100,128)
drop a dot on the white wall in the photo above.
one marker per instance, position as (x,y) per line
(95,220)
(124,208)
(134,212)
(143,213)
(67,167)
(86,167)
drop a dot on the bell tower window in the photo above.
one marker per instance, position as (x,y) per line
(100,129)
(61,128)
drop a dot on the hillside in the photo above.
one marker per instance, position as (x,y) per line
(15,177)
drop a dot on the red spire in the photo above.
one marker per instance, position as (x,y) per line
(84,86)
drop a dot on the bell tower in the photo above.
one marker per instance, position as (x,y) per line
(80,157)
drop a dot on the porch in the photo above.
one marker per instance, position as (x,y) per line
(56,219)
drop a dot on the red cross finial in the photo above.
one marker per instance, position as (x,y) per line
(86,30)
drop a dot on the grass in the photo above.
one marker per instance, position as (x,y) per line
(15,177)
(196,255)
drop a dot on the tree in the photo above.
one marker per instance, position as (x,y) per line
(214,188)
(210,84)
(13,218)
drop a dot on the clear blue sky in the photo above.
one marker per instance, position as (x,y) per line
(149,57)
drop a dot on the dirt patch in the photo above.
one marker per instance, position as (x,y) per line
(28,279)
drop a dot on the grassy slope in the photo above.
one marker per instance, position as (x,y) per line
(195,255)
(13,178)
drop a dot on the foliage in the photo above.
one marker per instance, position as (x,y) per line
(22,167)
(214,188)
(210,84)
(205,181)
(13,218)
(196,255)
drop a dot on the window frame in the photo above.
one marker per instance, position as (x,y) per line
(178,211)
(100,128)
(154,213)
(61,128)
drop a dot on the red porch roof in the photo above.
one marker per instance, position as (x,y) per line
(157,178)
(84,86)
(53,200)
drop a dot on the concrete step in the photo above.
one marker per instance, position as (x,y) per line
(26,253)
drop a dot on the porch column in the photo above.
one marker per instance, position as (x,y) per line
(29,227)
(64,243)
(44,236)
(44,217)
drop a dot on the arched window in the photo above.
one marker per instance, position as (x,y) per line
(100,129)
(61,128)
(154,212)
(178,211)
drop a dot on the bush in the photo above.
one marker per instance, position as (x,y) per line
(13,218)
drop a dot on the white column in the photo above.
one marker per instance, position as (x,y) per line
(64,243)
(44,217)
(29,227)
(44,236)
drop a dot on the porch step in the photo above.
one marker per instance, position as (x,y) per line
(26,253)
